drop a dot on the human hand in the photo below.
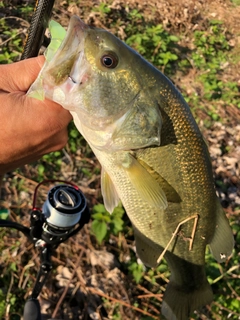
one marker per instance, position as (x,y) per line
(29,128)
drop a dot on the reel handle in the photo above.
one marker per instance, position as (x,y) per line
(32,310)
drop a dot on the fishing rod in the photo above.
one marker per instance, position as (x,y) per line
(65,211)
(62,215)
(35,35)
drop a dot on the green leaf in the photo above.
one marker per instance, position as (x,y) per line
(74,133)
(13,300)
(99,229)
(137,271)
(99,208)
(173,38)
(4,213)
(41,169)
(235,304)
(137,274)
(13,266)
(118,225)
(97,216)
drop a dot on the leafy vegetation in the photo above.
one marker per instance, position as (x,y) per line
(12,46)
(105,224)
(203,63)
(151,41)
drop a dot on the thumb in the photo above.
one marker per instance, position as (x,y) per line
(18,76)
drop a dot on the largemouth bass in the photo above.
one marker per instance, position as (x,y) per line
(153,156)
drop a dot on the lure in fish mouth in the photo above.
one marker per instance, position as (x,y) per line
(153,156)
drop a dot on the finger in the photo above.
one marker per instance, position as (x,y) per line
(18,76)
(31,129)
(54,115)
(29,113)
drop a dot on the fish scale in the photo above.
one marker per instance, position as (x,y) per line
(153,156)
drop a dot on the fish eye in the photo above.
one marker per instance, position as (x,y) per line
(109,60)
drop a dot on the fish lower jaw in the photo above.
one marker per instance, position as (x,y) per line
(58,96)
(61,94)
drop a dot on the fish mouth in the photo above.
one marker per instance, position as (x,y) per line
(77,24)
(68,69)
(75,33)
(69,56)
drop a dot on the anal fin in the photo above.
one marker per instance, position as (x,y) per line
(222,242)
(147,251)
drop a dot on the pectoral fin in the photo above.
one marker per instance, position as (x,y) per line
(109,193)
(170,192)
(222,242)
(147,187)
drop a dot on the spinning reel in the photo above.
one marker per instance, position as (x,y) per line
(62,215)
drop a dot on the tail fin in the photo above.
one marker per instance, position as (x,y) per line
(180,304)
